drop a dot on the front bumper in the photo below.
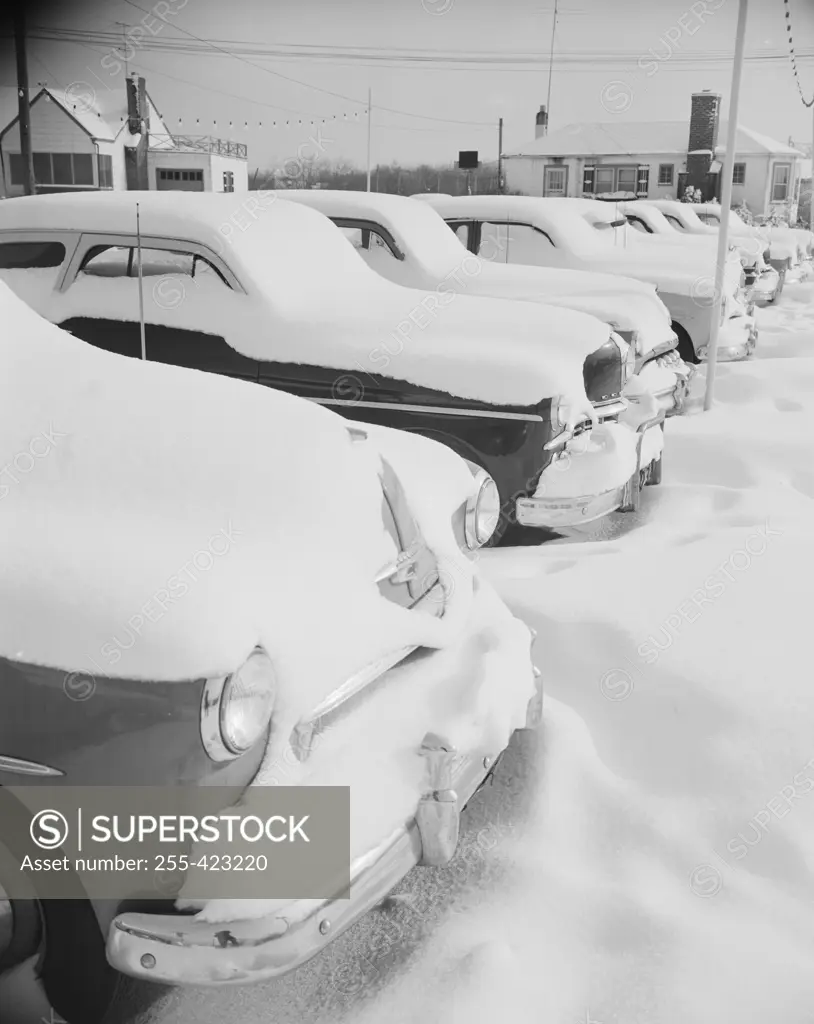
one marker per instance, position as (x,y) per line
(179,950)
(555,513)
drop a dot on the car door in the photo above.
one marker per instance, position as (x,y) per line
(180,289)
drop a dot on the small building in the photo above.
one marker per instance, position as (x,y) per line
(657,160)
(85,140)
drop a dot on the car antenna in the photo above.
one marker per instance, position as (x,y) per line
(140,287)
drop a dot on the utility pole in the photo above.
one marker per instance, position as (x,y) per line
(551,62)
(811,187)
(726,202)
(369,119)
(500,157)
(23,107)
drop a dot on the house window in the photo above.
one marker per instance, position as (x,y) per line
(55,168)
(739,174)
(105,171)
(626,179)
(666,172)
(555,180)
(604,179)
(780,182)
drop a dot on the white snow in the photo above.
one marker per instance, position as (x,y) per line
(666,877)
(312,300)
(190,537)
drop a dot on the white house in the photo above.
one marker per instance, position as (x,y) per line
(656,160)
(85,140)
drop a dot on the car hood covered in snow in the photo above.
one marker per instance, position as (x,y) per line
(183,518)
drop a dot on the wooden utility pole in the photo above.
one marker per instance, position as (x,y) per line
(500,157)
(24,110)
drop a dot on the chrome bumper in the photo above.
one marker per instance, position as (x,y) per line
(178,950)
(554,513)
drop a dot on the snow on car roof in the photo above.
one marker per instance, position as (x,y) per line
(422,230)
(314,301)
(157,523)
(544,213)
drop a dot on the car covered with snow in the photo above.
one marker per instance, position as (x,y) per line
(672,221)
(582,235)
(201,580)
(270,291)
(785,249)
(414,248)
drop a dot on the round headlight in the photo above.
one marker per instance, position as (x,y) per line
(246,703)
(482,511)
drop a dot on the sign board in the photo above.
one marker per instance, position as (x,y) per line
(468,160)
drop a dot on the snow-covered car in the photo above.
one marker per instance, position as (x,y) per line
(784,249)
(337,594)
(761,284)
(414,248)
(271,291)
(581,235)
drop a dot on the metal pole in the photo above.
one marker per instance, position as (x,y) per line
(811,186)
(140,288)
(550,69)
(23,108)
(500,156)
(726,202)
(369,118)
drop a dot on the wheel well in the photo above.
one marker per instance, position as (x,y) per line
(686,349)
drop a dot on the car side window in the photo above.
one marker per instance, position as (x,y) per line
(674,221)
(371,246)
(639,225)
(512,243)
(31,255)
(31,268)
(707,218)
(116,261)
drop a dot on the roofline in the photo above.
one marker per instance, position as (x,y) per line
(56,99)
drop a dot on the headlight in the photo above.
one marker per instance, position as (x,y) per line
(237,708)
(482,511)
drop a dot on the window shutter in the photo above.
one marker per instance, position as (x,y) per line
(643,180)
(588,174)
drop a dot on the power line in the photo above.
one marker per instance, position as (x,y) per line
(308,85)
(790,40)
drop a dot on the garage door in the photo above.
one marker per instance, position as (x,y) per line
(187,181)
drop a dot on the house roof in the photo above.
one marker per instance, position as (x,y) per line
(102,114)
(634,138)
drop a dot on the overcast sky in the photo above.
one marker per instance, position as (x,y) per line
(633,66)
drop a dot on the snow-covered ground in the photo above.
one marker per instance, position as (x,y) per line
(656,868)
(666,877)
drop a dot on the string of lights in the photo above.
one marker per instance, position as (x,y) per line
(806,103)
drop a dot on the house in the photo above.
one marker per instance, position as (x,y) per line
(657,160)
(84,139)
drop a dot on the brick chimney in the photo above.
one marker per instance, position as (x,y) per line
(703,138)
(541,123)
